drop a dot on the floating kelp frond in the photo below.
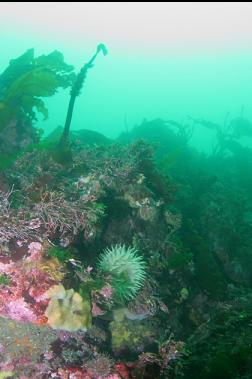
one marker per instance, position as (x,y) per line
(27,80)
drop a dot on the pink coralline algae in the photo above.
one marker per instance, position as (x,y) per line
(23,297)
(96,310)
(74,373)
(34,247)
(106,291)
(35,250)
(19,310)
(34,223)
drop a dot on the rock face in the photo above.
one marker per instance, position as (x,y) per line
(131,337)
(22,339)
(52,231)
(16,136)
(55,221)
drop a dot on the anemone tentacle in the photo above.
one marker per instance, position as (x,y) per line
(127,270)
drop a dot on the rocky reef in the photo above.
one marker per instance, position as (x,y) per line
(124,259)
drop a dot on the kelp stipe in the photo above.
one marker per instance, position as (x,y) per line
(76,89)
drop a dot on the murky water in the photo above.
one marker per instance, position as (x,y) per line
(125,190)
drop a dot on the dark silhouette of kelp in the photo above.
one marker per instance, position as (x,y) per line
(23,85)
(76,89)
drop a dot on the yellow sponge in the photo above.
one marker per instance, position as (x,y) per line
(67,309)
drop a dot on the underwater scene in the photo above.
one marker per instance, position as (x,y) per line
(125,190)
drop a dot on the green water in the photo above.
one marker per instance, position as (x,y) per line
(136,80)
(127,247)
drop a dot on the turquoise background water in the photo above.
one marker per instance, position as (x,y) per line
(168,76)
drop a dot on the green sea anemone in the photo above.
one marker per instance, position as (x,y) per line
(126,268)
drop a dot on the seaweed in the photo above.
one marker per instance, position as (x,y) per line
(26,81)
(76,90)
